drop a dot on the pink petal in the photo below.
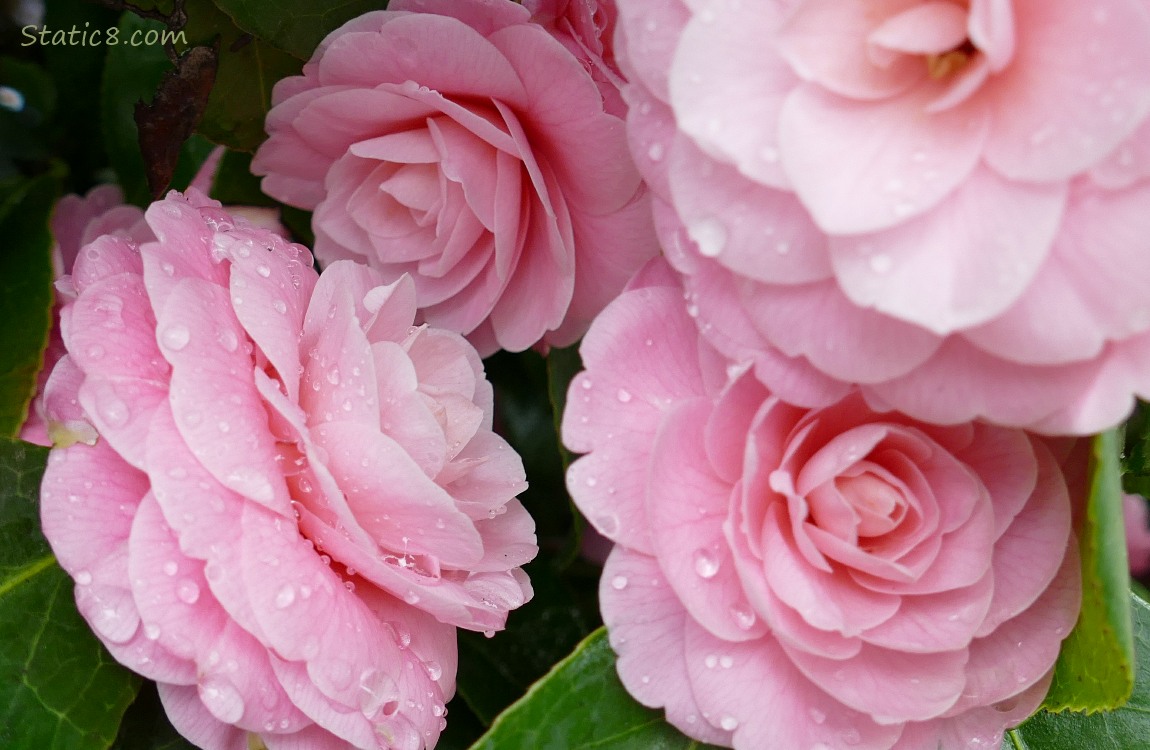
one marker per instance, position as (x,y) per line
(863,166)
(645,623)
(933,27)
(960,264)
(1058,114)
(191,719)
(826,41)
(753,689)
(687,506)
(217,408)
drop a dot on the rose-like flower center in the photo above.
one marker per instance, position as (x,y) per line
(880,507)
(947,63)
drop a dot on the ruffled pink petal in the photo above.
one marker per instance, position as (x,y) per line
(827,42)
(645,624)
(753,690)
(191,719)
(218,411)
(960,264)
(1058,114)
(687,505)
(744,85)
(863,166)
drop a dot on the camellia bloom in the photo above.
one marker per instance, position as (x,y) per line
(456,141)
(295,495)
(823,578)
(941,201)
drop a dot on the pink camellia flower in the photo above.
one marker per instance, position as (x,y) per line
(76,221)
(295,495)
(942,201)
(456,141)
(587,29)
(1137,517)
(812,578)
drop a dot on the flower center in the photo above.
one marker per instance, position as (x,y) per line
(946,63)
(880,507)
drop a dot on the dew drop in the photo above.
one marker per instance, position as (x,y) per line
(228,340)
(83,578)
(710,235)
(411,597)
(175,337)
(222,699)
(623,395)
(264,271)
(729,723)
(817,716)
(114,411)
(726,662)
(881,263)
(706,564)
(769,154)
(434,671)
(656,152)
(608,525)
(171,568)
(188,592)
(285,596)
(280,306)
(744,618)
(619,583)
(152,632)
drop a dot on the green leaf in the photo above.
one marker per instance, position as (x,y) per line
(562,366)
(494,672)
(295,26)
(234,183)
(248,68)
(1127,728)
(131,74)
(146,726)
(581,705)
(25,295)
(1136,453)
(59,688)
(1095,670)
(23,133)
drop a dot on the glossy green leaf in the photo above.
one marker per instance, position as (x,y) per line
(296,26)
(1136,452)
(146,726)
(131,74)
(581,705)
(1127,728)
(59,688)
(248,68)
(234,183)
(1095,670)
(25,295)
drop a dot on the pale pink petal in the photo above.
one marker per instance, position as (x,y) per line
(860,167)
(1056,115)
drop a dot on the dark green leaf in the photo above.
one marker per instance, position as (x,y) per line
(494,672)
(1127,728)
(76,69)
(1095,670)
(581,705)
(234,183)
(23,135)
(562,366)
(146,726)
(1136,454)
(248,68)
(59,689)
(25,295)
(296,26)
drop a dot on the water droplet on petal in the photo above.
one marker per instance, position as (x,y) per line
(881,263)
(624,396)
(710,661)
(285,596)
(729,723)
(706,564)
(619,583)
(222,699)
(175,337)
(817,716)
(710,235)
(114,411)
(171,568)
(264,271)
(188,592)
(83,578)
(434,671)
(656,152)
